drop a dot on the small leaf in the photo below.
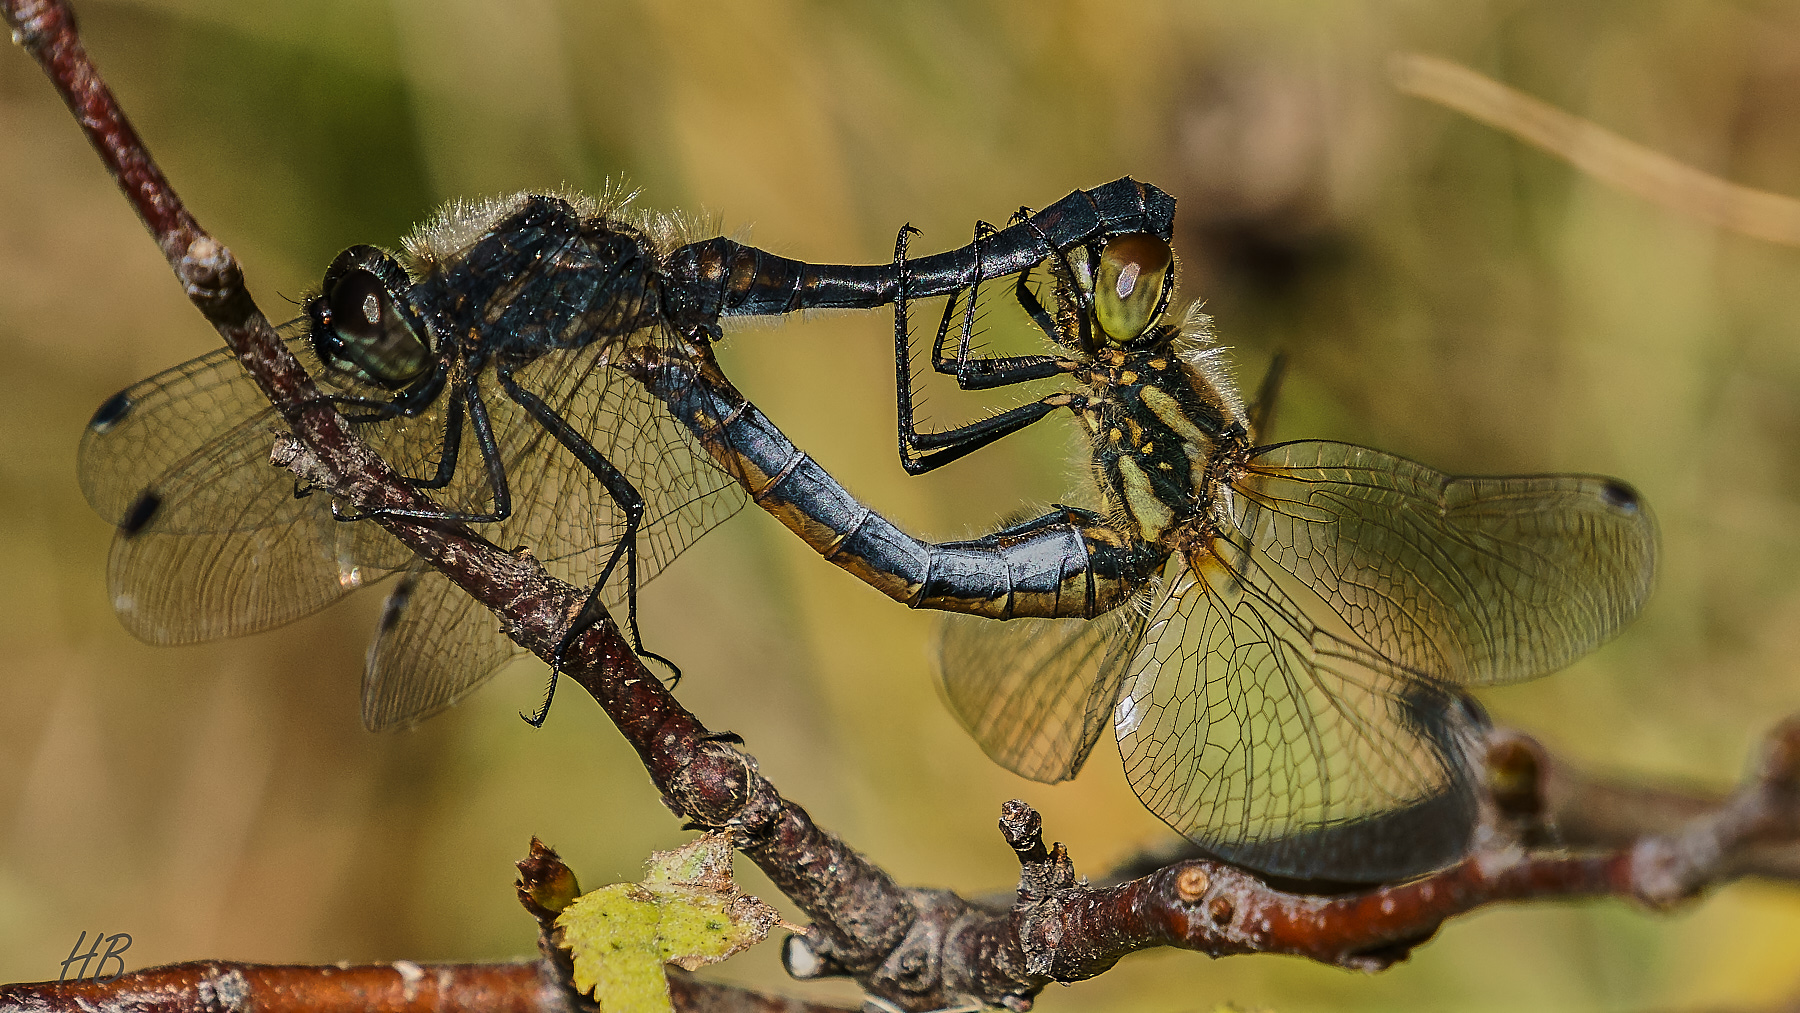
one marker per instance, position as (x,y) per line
(687,911)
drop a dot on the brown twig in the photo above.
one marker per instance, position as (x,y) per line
(1551,804)
(213,986)
(916,949)
(1597,151)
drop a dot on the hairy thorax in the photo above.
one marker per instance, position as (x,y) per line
(1159,424)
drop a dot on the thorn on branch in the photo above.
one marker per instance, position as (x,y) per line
(1667,869)
(1042,872)
(1779,770)
(1023,829)
(804,962)
(1513,808)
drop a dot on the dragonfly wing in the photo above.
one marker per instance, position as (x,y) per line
(151,427)
(215,540)
(435,646)
(1268,741)
(232,548)
(203,426)
(564,513)
(1474,581)
(1036,693)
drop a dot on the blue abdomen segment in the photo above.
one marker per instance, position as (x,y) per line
(1068,563)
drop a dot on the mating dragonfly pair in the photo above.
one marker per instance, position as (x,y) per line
(1280,637)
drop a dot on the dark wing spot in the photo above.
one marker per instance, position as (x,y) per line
(1619,496)
(395,606)
(142,512)
(1442,716)
(111,412)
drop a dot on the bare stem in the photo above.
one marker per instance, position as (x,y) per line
(1597,151)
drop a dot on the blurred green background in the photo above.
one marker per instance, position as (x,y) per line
(1445,293)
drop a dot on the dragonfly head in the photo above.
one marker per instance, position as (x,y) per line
(1134,277)
(362,323)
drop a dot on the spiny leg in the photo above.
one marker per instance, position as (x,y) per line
(1067,287)
(1022,293)
(449,453)
(986,373)
(923,452)
(411,402)
(628,500)
(468,398)
(362,411)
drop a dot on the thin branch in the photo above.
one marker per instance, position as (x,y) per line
(1060,930)
(217,986)
(1602,154)
(1579,811)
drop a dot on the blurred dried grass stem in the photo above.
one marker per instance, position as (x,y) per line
(1599,152)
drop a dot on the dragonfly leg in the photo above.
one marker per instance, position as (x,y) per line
(415,400)
(923,452)
(447,457)
(407,405)
(1083,300)
(985,373)
(470,399)
(629,500)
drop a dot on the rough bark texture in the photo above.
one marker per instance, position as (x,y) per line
(216,986)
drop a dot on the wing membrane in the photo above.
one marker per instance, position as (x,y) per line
(225,543)
(135,438)
(236,547)
(1474,581)
(1036,693)
(1297,704)
(564,513)
(233,549)
(435,646)
(1254,731)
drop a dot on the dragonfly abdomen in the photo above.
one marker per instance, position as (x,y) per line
(1069,563)
(721,277)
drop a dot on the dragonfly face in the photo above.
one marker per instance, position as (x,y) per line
(1132,280)
(364,326)
(1160,414)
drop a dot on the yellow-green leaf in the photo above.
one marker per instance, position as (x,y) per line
(686,911)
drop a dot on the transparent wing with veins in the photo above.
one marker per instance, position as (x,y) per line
(1294,700)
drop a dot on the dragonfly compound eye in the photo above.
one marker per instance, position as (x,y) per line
(1129,288)
(372,338)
